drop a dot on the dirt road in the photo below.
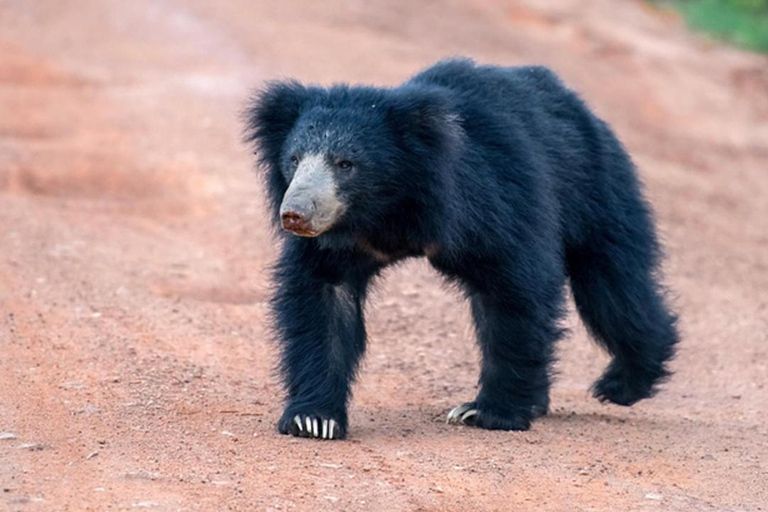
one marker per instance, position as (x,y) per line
(135,365)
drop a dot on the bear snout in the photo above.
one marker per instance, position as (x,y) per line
(297,222)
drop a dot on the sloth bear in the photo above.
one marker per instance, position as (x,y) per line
(507,182)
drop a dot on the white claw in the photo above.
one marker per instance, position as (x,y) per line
(314,428)
(467,414)
(325,429)
(309,424)
(332,428)
(297,421)
(455,414)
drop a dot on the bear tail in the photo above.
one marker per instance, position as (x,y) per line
(614,283)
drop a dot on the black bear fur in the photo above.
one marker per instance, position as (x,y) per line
(511,187)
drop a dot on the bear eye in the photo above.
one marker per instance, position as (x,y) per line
(295,160)
(344,165)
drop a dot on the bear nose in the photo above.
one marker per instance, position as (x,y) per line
(294,221)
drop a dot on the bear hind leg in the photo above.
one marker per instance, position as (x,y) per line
(623,307)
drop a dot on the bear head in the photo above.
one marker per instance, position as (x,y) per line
(347,158)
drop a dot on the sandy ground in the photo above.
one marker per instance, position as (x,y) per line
(135,365)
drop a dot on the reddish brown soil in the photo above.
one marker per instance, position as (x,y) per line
(135,365)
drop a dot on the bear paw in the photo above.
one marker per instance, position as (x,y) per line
(475,415)
(623,386)
(316,426)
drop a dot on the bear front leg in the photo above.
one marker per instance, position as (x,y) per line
(516,334)
(319,321)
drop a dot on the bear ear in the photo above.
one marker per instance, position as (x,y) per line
(424,119)
(271,115)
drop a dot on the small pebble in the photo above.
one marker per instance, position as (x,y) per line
(33,447)
(145,504)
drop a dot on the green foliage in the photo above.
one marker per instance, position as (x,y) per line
(750,5)
(742,22)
